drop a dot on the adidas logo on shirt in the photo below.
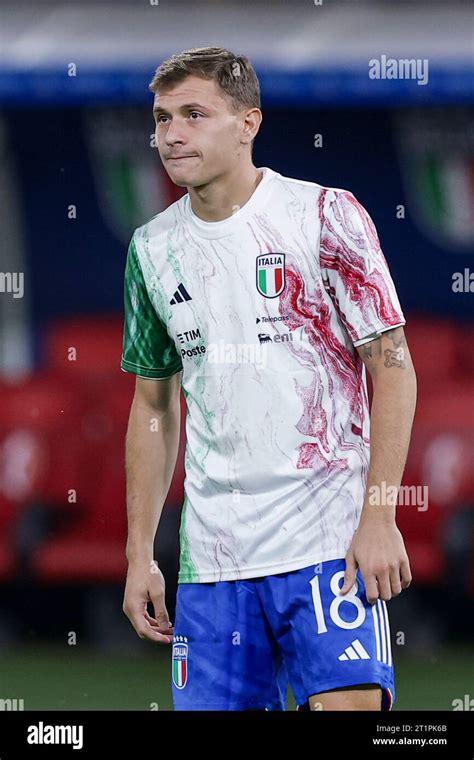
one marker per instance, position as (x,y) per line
(354,652)
(180,295)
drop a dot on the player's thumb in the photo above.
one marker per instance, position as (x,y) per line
(350,573)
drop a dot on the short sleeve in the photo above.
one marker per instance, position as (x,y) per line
(354,269)
(148,350)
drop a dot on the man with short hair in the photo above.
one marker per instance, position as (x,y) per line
(265,298)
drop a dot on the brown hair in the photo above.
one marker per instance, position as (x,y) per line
(233,73)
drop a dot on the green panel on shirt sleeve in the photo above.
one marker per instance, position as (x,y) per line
(148,350)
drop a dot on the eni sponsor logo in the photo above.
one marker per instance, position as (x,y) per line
(278,338)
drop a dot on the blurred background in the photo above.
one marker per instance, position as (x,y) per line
(79,173)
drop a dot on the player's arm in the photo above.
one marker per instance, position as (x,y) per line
(150,458)
(389,363)
(378,544)
(357,278)
(151,446)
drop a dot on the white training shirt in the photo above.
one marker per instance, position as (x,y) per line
(262,312)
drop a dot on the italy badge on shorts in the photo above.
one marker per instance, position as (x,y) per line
(271,274)
(180,661)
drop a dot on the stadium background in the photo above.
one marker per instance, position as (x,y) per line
(79,173)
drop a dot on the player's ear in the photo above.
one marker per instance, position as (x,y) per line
(251,125)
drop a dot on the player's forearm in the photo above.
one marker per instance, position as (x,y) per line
(151,452)
(393,409)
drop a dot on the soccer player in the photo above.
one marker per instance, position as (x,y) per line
(265,298)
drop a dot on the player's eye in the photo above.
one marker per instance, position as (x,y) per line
(196,113)
(162,116)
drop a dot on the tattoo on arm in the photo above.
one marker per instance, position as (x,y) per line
(367,351)
(372,350)
(393,356)
(397,336)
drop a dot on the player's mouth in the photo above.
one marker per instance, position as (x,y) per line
(179,158)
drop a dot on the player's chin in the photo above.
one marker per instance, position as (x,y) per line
(184,175)
(185,179)
(180,181)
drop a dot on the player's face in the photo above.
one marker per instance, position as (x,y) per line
(197,132)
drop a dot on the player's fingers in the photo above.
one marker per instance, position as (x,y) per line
(383,580)
(371,588)
(145,630)
(349,574)
(395,583)
(153,635)
(154,623)
(405,573)
(153,632)
(135,611)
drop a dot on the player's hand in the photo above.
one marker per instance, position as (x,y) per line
(378,549)
(145,583)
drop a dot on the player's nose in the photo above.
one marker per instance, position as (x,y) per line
(175,135)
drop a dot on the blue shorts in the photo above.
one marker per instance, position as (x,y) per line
(238,644)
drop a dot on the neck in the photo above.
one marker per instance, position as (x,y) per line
(222,197)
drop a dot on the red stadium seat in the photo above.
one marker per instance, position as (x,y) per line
(8,514)
(465,354)
(433,347)
(94,549)
(440,458)
(85,352)
(38,455)
(84,347)
(38,422)
(448,405)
